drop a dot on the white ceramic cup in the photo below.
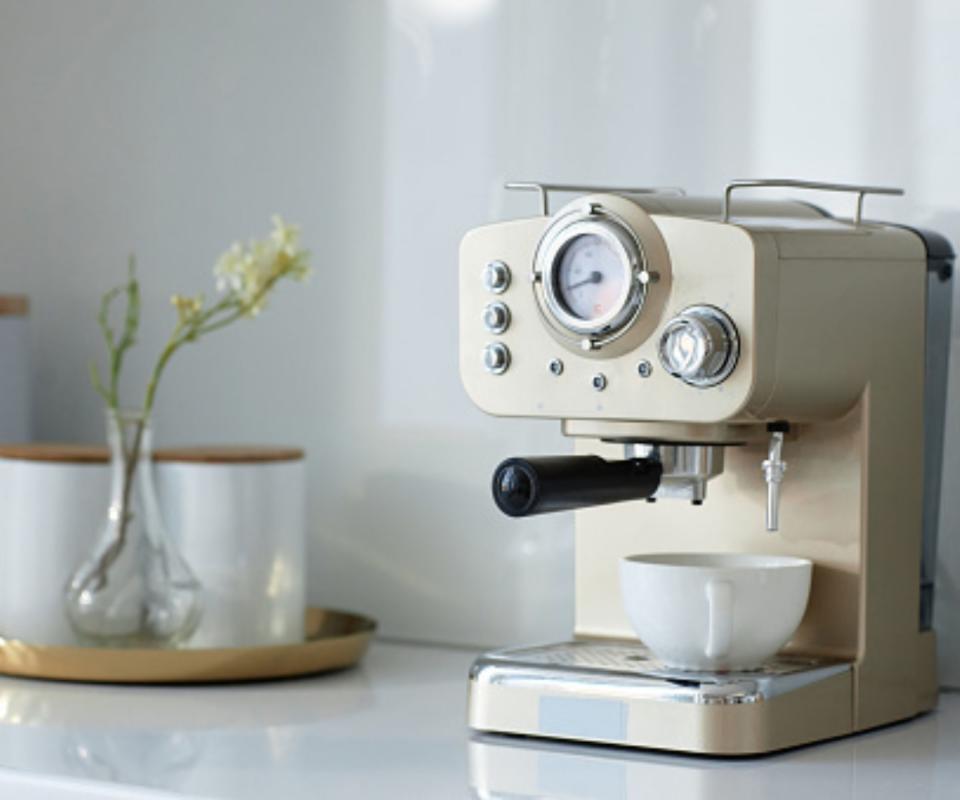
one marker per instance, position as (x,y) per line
(714,611)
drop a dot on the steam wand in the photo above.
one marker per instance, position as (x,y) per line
(773,469)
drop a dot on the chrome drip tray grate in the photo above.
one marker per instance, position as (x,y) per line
(636,658)
(630,667)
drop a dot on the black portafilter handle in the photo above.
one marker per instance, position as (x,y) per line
(541,485)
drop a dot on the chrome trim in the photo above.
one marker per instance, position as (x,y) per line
(793,183)
(773,469)
(496,317)
(686,467)
(697,315)
(496,277)
(496,358)
(627,670)
(594,220)
(544,189)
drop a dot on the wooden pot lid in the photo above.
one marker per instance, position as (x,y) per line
(228,454)
(14,305)
(56,451)
(98,454)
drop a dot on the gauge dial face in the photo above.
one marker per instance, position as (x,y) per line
(591,277)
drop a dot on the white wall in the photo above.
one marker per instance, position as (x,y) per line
(386,130)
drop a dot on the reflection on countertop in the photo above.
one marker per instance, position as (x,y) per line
(916,760)
(395,727)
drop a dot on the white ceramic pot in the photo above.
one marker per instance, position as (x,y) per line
(237,516)
(14,370)
(714,611)
(53,499)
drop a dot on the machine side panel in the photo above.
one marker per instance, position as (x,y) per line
(840,324)
(868,340)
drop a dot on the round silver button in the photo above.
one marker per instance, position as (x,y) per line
(599,381)
(496,317)
(496,277)
(700,346)
(496,358)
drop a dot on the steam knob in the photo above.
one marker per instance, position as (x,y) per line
(700,346)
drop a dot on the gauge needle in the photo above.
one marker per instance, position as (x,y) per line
(595,277)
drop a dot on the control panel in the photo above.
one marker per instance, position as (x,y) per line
(604,311)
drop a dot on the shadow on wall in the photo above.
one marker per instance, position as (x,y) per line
(429,555)
(437,580)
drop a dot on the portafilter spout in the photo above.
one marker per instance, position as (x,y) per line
(526,486)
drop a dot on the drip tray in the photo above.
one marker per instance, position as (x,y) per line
(629,670)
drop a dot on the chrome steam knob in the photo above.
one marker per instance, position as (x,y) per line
(700,346)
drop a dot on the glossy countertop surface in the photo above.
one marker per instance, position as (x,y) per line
(395,727)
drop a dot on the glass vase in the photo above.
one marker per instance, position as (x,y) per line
(134,589)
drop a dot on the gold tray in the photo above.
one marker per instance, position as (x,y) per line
(334,640)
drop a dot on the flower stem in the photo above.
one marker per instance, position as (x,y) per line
(131,459)
(117,347)
(166,354)
(192,329)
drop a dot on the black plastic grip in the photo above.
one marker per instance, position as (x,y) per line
(526,486)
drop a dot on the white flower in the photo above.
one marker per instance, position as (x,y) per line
(285,237)
(228,269)
(250,272)
(187,307)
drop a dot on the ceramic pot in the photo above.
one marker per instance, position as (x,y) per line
(237,516)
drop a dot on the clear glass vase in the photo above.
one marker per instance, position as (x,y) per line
(134,589)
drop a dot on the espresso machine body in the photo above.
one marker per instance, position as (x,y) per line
(710,344)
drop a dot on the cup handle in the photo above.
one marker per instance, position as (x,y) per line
(720,619)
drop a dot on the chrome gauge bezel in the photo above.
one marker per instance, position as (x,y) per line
(595,220)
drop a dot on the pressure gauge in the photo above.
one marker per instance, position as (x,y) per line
(591,274)
(591,277)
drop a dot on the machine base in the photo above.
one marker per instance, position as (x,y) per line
(614,692)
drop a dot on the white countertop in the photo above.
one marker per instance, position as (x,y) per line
(395,727)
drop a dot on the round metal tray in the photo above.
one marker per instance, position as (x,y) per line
(333,640)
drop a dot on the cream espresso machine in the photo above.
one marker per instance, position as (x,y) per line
(692,348)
